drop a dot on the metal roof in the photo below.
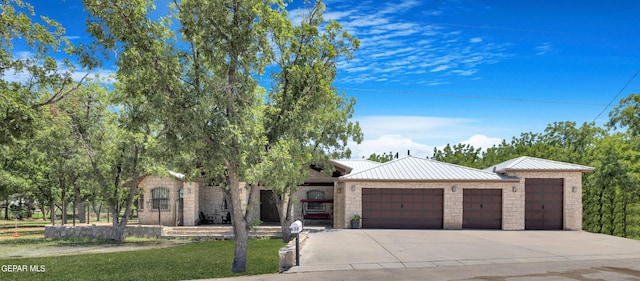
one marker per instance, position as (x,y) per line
(411,168)
(357,165)
(526,163)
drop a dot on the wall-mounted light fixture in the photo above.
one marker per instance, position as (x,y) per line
(574,188)
(454,188)
(514,188)
(339,189)
(353,187)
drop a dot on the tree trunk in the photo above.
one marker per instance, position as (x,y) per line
(120,224)
(97,209)
(6,209)
(64,206)
(284,207)
(240,226)
(52,211)
(43,209)
(80,204)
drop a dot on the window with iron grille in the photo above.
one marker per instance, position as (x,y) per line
(315,206)
(160,198)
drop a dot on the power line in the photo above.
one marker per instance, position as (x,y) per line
(616,97)
(474,97)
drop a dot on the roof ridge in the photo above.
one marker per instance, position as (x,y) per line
(411,157)
(517,160)
(378,166)
(460,166)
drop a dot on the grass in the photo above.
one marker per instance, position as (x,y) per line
(32,229)
(211,259)
(208,259)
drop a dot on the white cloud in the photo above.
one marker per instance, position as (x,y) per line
(388,39)
(77,74)
(544,49)
(390,143)
(464,72)
(441,68)
(436,83)
(405,5)
(418,134)
(482,141)
(409,126)
(337,15)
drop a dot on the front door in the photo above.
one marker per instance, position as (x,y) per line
(268,209)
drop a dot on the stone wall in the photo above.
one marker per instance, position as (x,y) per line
(100,231)
(287,254)
(211,200)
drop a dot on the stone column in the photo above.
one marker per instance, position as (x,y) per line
(191,203)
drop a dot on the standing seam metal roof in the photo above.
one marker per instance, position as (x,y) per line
(414,168)
(532,163)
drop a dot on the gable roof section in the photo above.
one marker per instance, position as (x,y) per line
(357,165)
(411,168)
(526,163)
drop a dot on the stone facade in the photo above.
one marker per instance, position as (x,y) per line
(572,198)
(197,197)
(452,216)
(159,216)
(348,198)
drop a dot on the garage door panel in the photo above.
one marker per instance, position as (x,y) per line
(544,204)
(482,208)
(402,208)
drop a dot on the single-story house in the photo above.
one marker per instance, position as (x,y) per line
(410,192)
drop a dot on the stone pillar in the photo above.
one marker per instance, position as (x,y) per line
(191,203)
(338,205)
(452,212)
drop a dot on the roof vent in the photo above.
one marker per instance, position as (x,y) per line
(494,169)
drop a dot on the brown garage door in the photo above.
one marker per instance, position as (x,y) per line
(543,204)
(482,208)
(402,208)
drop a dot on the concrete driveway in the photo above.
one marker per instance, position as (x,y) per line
(350,249)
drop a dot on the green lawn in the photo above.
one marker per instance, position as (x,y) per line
(210,259)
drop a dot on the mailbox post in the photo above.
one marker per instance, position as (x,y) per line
(296,228)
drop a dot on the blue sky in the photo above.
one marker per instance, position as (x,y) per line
(430,73)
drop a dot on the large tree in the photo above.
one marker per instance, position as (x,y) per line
(36,72)
(306,121)
(201,84)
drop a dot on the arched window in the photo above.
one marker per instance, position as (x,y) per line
(160,198)
(315,206)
